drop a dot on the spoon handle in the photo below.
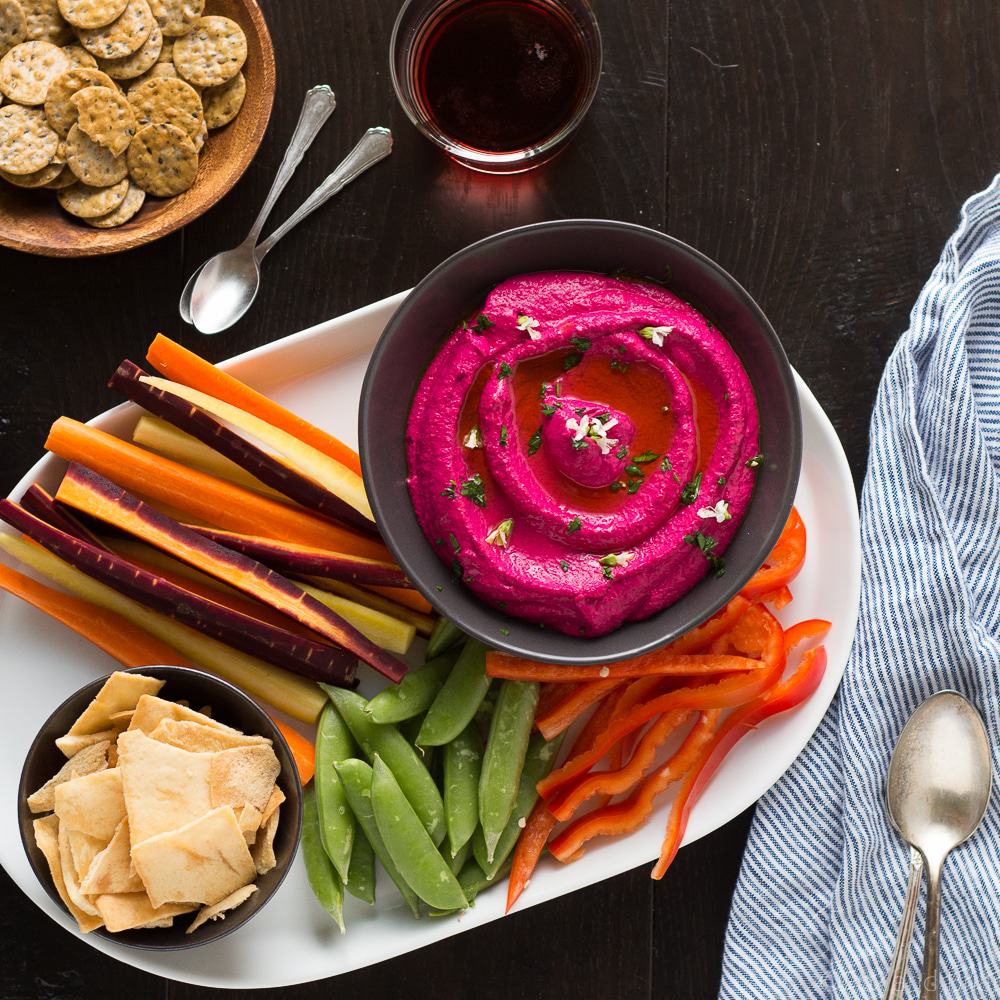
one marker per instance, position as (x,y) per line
(897,973)
(375,145)
(929,977)
(317,107)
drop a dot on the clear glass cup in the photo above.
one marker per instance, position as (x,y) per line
(420,25)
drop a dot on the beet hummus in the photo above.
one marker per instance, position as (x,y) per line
(582,450)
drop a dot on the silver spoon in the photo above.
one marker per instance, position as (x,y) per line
(227,285)
(319,103)
(938,790)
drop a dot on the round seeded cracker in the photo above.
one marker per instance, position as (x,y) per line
(37,178)
(91,13)
(64,179)
(176,17)
(159,71)
(93,163)
(13,25)
(86,202)
(122,36)
(167,100)
(105,116)
(45,23)
(162,160)
(27,70)
(59,107)
(222,104)
(79,56)
(144,58)
(26,142)
(213,52)
(131,204)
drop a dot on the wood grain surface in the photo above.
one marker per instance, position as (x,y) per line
(818,149)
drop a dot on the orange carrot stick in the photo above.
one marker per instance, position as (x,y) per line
(181,365)
(127,643)
(207,498)
(408,598)
(302,749)
(660,662)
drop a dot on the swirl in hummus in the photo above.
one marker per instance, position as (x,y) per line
(582,450)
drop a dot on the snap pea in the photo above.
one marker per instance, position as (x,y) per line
(323,877)
(463,758)
(413,694)
(445,635)
(538,762)
(503,759)
(459,699)
(457,862)
(356,776)
(473,882)
(361,875)
(387,741)
(411,849)
(334,742)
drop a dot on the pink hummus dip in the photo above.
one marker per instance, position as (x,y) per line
(582,450)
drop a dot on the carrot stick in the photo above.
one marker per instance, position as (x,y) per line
(665,664)
(564,713)
(127,643)
(181,365)
(207,498)
(302,749)
(408,598)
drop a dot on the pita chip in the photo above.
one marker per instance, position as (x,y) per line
(199,738)
(71,744)
(277,797)
(87,761)
(47,838)
(243,774)
(131,910)
(111,870)
(250,820)
(201,862)
(152,710)
(83,849)
(121,693)
(262,851)
(164,787)
(70,880)
(92,804)
(218,911)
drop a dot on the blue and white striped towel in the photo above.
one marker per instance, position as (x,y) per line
(821,890)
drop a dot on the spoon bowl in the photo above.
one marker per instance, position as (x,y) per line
(224,288)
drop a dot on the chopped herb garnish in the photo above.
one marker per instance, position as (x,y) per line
(633,486)
(646,456)
(675,477)
(582,443)
(564,565)
(549,408)
(665,465)
(557,388)
(542,390)
(535,442)
(472,489)
(456,548)
(503,371)
(721,481)
(484,323)
(579,411)
(575,525)
(756,461)
(603,417)
(691,490)
(725,395)
(634,470)
(619,366)
(621,452)
(706,543)
(456,569)
(580,343)
(504,630)
(503,436)
(571,361)
(439,588)
(607,573)
(449,491)
(616,486)
(500,534)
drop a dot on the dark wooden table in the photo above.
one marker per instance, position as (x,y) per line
(818,150)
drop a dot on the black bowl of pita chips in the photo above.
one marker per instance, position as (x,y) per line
(160,807)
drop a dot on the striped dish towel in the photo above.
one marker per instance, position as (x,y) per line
(821,889)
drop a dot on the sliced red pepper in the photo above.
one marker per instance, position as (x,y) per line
(513,668)
(629,814)
(784,562)
(757,634)
(813,629)
(703,635)
(562,714)
(785,695)
(777,599)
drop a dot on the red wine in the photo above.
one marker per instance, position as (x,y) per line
(502,75)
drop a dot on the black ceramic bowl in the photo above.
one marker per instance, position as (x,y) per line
(230,706)
(452,291)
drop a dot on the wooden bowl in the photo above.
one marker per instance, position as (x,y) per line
(32,221)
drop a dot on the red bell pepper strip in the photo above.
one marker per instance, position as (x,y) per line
(784,562)
(579,698)
(513,668)
(785,695)
(814,629)
(777,599)
(703,635)
(629,814)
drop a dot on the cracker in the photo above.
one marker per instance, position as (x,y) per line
(199,137)
(26,142)
(213,52)
(119,216)
(59,107)
(105,116)
(167,50)
(45,22)
(122,36)
(37,178)
(243,774)
(87,761)
(144,58)
(79,56)
(167,101)
(176,17)
(91,13)
(93,804)
(161,71)
(222,104)
(162,160)
(218,911)
(86,202)
(13,25)
(93,163)
(64,179)
(27,70)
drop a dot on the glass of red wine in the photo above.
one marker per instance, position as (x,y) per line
(500,85)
